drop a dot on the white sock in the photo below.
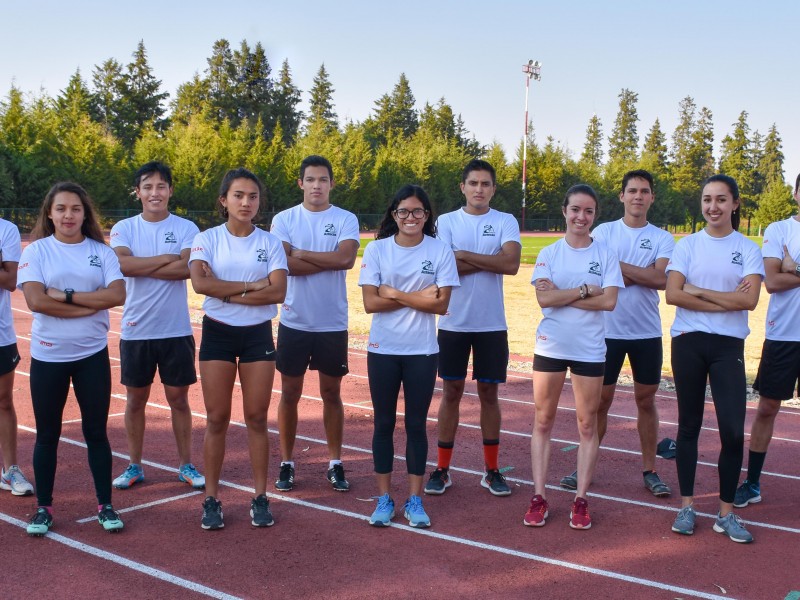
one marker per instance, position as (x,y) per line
(334,462)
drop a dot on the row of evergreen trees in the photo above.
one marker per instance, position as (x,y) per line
(237,112)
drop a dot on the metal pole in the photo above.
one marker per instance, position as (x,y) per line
(525,154)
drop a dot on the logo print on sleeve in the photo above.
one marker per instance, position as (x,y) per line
(262,254)
(646,244)
(330,229)
(94,261)
(736,258)
(488,230)
(170,238)
(427,268)
(594,268)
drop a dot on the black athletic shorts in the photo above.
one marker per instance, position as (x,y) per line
(9,358)
(489,355)
(174,358)
(545,364)
(323,351)
(779,370)
(644,355)
(250,343)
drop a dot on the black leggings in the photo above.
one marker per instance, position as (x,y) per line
(91,378)
(417,373)
(720,358)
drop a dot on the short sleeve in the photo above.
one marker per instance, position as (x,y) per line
(30,268)
(119,236)
(773,242)
(350,229)
(201,249)
(370,266)
(543,267)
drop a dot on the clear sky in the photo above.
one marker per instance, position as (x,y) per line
(728,55)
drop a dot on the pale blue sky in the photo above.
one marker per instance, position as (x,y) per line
(730,56)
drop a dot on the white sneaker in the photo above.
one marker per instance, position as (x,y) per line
(14,481)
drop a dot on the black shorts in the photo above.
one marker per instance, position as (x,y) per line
(644,355)
(779,370)
(9,358)
(489,355)
(250,343)
(323,351)
(174,358)
(545,364)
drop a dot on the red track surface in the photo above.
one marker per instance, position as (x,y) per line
(321,544)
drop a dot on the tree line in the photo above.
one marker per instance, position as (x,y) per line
(237,112)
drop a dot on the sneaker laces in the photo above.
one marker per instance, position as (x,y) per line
(538,504)
(286,471)
(737,519)
(338,472)
(495,475)
(14,475)
(132,471)
(190,470)
(41,517)
(260,502)
(439,474)
(580,507)
(414,505)
(384,503)
(107,513)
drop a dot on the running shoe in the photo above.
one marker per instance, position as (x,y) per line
(260,512)
(747,493)
(658,488)
(285,481)
(495,482)
(14,481)
(109,519)
(41,522)
(416,515)
(570,482)
(212,514)
(537,513)
(684,522)
(384,512)
(579,516)
(337,479)
(732,526)
(133,474)
(189,474)
(439,481)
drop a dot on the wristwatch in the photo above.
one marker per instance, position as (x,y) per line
(797,270)
(69,292)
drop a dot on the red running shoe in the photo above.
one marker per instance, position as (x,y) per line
(537,513)
(579,517)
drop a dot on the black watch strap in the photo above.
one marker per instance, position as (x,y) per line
(69,292)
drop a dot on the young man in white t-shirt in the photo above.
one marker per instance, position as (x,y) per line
(153,250)
(487,246)
(779,369)
(321,242)
(633,328)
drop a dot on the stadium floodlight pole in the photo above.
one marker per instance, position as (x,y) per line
(533,70)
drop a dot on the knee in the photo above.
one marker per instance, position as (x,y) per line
(331,398)
(768,409)
(256,420)
(217,421)
(646,404)
(543,422)
(587,426)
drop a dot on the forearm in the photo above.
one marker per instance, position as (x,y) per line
(683,299)
(556,298)
(373,303)
(422,301)
(174,271)
(8,279)
(738,300)
(269,295)
(502,263)
(218,288)
(145,266)
(298,266)
(341,259)
(99,299)
(649,277)
(781,282)
(605,302)
(465,268)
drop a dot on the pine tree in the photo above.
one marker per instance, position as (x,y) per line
(623,144)
(143,98)
(221,77)
(654,153)
(253,88)
(321,107)
(593,147)
(75,100)
(286,97)
(110,87)
(770,164)
(775,204)
(737,162)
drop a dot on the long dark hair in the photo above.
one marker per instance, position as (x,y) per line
(44,224)
(733,188)
(389,227)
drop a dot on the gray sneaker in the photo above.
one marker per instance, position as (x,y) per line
(733,527)
(684,522)
(570,482)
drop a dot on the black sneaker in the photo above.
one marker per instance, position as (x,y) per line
(260,513)
(439,481)
(109,519)
(40,523)
(336,477)
(495,482)
(212,514)
(285,481)
(658,488)
(570,482)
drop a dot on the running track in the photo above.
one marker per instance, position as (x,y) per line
(321,544)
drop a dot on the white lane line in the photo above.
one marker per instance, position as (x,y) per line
(125,562)
(122,414)
(145,505)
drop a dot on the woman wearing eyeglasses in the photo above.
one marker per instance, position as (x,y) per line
(406,279)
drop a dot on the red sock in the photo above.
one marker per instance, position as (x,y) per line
(491,452)
(444,457)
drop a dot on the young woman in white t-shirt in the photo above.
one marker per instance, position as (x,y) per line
(406,278)
(576,279)
(70,279)
(714,278)
(242,271)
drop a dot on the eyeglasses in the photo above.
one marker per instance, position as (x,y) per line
(404,213)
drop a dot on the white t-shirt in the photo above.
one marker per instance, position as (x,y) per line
(567,332)
(9,252)
(84,267)
(783,313)
(406,331)
(478,304)
(234,258)
(315,302)
(636,316)
(154,308)
(717,264)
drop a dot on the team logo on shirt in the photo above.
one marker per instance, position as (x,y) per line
(594,268)
(736,258)
(488,230)
(94,261)
(262,255)
(170,238)
(646,245)
(427,268)
(330,229)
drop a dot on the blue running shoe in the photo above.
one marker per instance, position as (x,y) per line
(192,476)
(384,512)
(41,522)
(416,515)
(733,527)
(747,493)
(133,474)
(109,519)
(684,522)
